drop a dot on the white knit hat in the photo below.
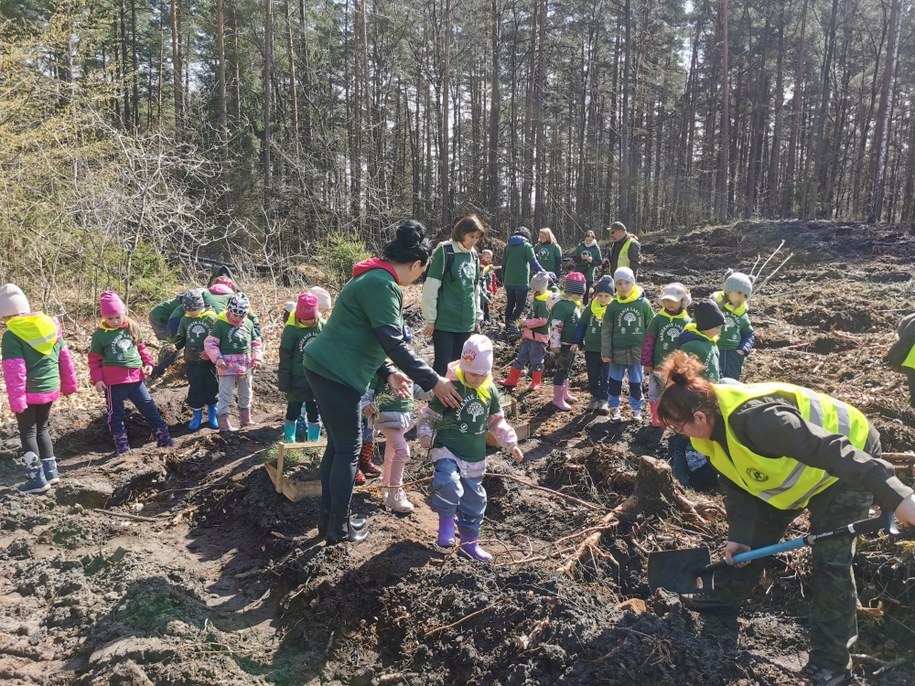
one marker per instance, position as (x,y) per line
(476,356)
(324,300)
(13,301)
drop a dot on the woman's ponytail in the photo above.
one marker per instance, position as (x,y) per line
(686,390)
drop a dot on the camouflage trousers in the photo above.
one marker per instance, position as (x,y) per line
(833,620)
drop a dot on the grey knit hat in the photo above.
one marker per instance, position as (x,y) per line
(192,300)
(540,281)
(738,281)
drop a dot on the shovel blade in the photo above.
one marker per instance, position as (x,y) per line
(677,570)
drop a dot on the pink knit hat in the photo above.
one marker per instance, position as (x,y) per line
(306,307)
(476,356)
(110,305)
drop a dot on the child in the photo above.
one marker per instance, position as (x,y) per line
(737,337)
(203,385)
(302,326)
(459,450)
(394,418)
(165,317)
(901,357)
(488,284)
(587,260)
(564,316)
(325,302)
(588,335)
(534,336)
(690,467)
(625,323)
(37,368)
(234,346)
(661,339)
(118,363)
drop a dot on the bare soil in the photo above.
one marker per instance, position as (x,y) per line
(184,566)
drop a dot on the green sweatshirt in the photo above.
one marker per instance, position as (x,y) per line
(538,310)
(456,308)
(292,353)
(516,268)
(43,369)
(625,322)
(582,265)
(234,340)
(703,348)
(162,312)
(192,332)
(666,329)
(736,322)
(593,317)
(549,255)
(397,404)
(465,428)
(566,314)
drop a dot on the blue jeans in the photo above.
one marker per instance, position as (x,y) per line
(636,375)
(137,394)
(515,302)
(530,353)
(453,493)
(731,364)
(598,376)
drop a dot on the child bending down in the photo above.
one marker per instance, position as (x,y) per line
(118,363)
(457,439)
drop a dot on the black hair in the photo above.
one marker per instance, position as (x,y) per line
(522,231)
(409,245)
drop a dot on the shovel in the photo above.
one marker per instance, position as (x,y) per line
(689,571)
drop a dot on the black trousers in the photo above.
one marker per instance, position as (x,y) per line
(339,408)
(203,385)
(34,431)
(447,347)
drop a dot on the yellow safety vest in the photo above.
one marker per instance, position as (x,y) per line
(782,482)
(623,260)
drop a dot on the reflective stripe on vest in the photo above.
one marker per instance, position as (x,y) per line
(782,482)
(623,260)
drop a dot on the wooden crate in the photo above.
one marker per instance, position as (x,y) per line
(298,489)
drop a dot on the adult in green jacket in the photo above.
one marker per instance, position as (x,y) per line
(517,262)
(781,449)
(451,293)
(365,329)
(548,252)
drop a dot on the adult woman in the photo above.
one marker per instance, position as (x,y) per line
(364,329)
(451,293)
(548,252)
(780,449)
(517,261)
(587,260)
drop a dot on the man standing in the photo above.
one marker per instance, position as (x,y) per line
(625,250)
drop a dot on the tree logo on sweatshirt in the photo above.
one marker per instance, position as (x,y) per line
(629,319)
(468,273)
(757,475)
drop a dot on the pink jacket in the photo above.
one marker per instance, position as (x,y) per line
(16,374)
(528,326)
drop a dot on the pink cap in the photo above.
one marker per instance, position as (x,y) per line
(476,356)
(306,307)
(110,305)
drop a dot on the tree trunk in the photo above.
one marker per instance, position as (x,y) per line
(625,161)
(725,137)
(789,182)
(882,129)
(495,105)
(221,78)
(268,102)
(293,82)
(177,71)
(446,79)
(540,188)
(815,155)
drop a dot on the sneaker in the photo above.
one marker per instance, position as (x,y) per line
(615,415)
(636,415)
(825,676)
(396,499)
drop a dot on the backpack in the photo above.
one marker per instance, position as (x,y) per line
(449,262)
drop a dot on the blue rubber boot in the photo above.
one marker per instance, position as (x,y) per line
(289,432)
(212,421)
(196,420)
(314,432)
(35,478)
(300,428)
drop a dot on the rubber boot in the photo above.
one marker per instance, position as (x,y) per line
(366,466)
(470,548)
(289,431)
(313,432)
(342,529)
(655,419)
(225,423)
(163,438)
(300,429)
(212,419)
(244,417)
(196,420)
(35,479)
(445,531)
(510,381)
(536,380)
(568,397)
(559,398)
(121,444)
(49,467)
(360,477)
(324,522)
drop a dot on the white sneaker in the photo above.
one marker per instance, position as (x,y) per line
(615,415)
(396,499)
(636,415)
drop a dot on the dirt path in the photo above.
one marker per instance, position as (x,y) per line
(199,573)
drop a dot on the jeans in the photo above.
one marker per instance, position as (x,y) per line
(34,432)
(598,376)
(227,386)
(340,411)
(515,302)
(731,364)
(530,353)
(137,394)
(447,347)
(636,375)
(203,385)
(453,493)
